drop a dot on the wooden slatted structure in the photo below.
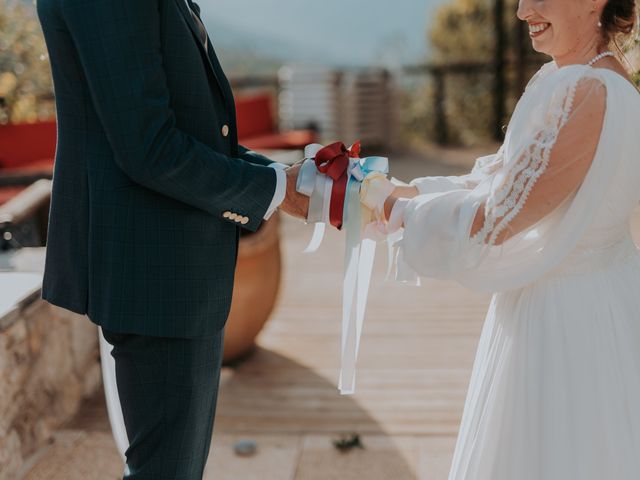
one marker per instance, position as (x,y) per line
(349,105)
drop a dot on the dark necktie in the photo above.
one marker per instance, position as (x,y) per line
(201,30)
(215,64)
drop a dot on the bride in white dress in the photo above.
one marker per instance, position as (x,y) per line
(544,224)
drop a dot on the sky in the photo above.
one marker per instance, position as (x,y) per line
(338,32)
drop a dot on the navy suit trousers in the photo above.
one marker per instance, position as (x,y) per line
(168,389)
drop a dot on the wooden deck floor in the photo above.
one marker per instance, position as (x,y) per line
(417,350)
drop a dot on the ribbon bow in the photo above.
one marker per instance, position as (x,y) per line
(345,172)
(334,161)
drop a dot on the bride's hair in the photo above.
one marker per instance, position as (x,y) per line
(619,22)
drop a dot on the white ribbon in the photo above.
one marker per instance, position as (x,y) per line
(359,250)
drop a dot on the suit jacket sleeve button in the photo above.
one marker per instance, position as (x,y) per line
(244,220)
(226,214)
(225,130)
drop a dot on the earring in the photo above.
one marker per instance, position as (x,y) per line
(599,24)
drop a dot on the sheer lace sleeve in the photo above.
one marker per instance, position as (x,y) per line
(484,167)
(523,217)
(551,165)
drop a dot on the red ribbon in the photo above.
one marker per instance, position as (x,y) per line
(333,161)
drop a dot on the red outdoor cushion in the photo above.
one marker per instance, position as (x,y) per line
(24,144)
(294,139)
(44,165)
(257,129)
(254,116)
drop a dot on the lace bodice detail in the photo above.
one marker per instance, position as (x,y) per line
(509,198)
(559,191)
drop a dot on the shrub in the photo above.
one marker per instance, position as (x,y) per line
(26,91)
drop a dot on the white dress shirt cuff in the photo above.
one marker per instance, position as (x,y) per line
(281,188)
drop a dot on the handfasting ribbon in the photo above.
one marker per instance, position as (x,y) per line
(335,198)
(319,211)
(307,177)
(333,160)
(359,258)
(375,190)
(312,185)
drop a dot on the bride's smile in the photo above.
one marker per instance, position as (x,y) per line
(537,29)
(570,31)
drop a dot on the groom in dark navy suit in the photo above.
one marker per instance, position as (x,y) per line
(150,190)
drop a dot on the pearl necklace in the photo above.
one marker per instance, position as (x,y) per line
(608,53)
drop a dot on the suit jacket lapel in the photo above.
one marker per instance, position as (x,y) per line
(227,91)
(184,9)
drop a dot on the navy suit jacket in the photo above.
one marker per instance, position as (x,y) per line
(147,164)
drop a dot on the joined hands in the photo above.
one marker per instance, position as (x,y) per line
(295,204)
(398,193)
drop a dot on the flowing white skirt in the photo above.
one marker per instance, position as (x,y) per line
(554,392)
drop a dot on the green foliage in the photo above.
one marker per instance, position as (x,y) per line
(634,54)
(463,31)
(25,76)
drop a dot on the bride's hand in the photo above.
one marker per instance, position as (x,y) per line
(398,192)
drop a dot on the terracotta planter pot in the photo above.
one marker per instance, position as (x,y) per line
(256,286)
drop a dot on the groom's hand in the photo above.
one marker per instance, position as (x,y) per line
(295,204)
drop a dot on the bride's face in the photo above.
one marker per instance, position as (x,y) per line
(561,27)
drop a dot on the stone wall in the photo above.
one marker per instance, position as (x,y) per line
(49,362)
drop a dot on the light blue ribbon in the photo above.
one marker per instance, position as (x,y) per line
(358,264)
(359,251)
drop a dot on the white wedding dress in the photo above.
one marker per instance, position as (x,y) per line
(554,392)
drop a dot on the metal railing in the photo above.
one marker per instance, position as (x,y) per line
(500,88)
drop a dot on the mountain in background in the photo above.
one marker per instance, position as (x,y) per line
(247,52)
(332,32)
